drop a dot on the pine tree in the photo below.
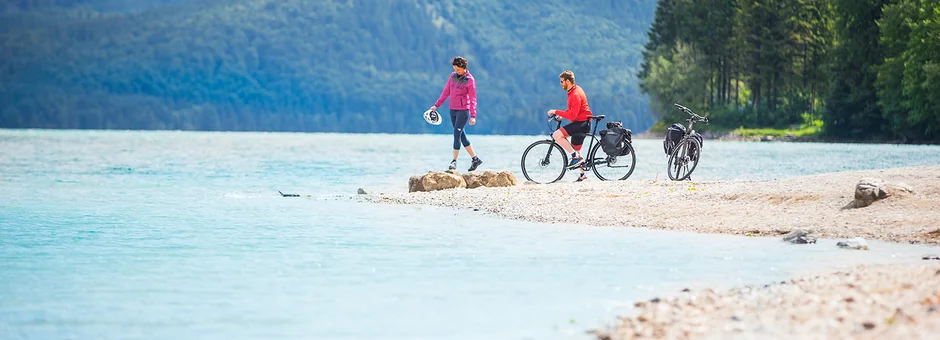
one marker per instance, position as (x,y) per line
(852,103)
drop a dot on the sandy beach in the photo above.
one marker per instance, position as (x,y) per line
(869,302)
(759,208)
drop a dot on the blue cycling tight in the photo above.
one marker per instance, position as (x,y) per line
(459,118)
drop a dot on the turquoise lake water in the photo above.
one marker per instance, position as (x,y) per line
(182,235)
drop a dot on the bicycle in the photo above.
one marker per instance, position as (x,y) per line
(549,158)
(687,150)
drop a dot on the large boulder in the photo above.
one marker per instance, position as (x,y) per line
(869,190)
(434,180)
(489,178)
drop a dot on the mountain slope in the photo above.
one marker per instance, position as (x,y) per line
(354,66)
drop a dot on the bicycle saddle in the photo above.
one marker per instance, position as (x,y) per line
(598,118)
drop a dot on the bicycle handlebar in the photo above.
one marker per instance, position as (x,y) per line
(554,119)
(689,111)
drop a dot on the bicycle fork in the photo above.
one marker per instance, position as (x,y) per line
(548,155)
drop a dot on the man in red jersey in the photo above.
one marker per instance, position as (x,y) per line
(579,113)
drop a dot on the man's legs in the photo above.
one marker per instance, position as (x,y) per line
(581,176)
(572,149)
(577,131)
(561,137)
(577,142)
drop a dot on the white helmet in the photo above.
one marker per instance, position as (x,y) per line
(432,117)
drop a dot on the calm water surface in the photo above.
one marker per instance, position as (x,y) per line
(159,235)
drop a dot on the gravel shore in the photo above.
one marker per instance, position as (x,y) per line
(875,302)
(869,302)
(759,208)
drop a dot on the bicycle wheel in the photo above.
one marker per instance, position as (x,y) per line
(544,162)
(609,168)
(681,164)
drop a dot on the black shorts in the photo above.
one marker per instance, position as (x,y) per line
(577,130)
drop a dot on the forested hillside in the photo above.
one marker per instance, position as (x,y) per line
(866,69)
(327,65)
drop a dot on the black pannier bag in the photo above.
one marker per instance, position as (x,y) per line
(673,135)
(614,139)
(694,152)
(629,135)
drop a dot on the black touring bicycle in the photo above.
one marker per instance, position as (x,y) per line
(683,146)
(612,157)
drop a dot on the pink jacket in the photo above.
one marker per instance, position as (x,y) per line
(462,91)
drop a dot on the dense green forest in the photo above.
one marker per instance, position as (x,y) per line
(867,69)
(326,65)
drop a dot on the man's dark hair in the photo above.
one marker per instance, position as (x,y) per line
(567,75)
(459,61)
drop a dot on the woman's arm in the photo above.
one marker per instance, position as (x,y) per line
(473,98)
(444,93)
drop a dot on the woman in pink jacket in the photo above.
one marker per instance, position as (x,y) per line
(461,90)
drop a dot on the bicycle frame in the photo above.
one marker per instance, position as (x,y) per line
(592,136)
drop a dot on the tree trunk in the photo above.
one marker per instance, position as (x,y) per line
(804,66)
(772,97)
(711,84)
(812,103)
(735,77)
(724,81)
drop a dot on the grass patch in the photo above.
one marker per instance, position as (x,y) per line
(810,128)
(813,129)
